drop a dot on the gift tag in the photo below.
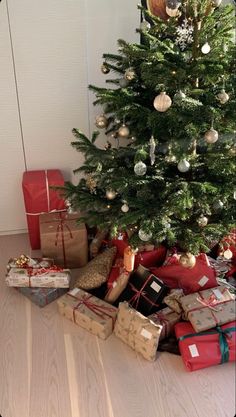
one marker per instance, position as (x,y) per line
(217,293)
(156,287)
(145,333)
(203,281)
(74,292)
(193,351)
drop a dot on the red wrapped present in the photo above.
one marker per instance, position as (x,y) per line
(228,246)
(40,198)
(204,349)
(121,243)
(202,276)
(150,258)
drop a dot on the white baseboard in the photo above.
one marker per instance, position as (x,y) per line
(13,232)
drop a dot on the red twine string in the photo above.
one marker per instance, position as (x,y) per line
(99,310)
(134,301)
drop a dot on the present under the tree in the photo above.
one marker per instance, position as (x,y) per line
(167,318)
(49,277)
(40,198)
(144,291)
(42,296)
(200,277)
(25,261)
(63,239)
(137,331)
(208,348)
(118,287)
(89,312)
(209,308)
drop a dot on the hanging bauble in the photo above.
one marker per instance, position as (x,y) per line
(110,194)
(202,221)
(228,254)
(217,3)
(130,74)
(152,145)
(140,168)
(211,136)
(125,208)
(206,48)
(172,12)
(162,102)
(183,165)
(187,260)
(101,121)
(218,205)
(123,131)
(69,206)
(104,68)
(123,83)
(91,183)
(144,236)
(172,4)
(179,95)
(223,97)
(184,35)
(145,26)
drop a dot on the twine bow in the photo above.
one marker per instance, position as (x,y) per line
(60,234)
(208,302)
(134,301)
(32,272)
(99,310)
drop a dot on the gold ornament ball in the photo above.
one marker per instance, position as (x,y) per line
(223,97)
(228,254)
(110,194)
(202,221)
(172,12)
(123,131)
(162,102)
(105,69)
(187,260)
(130,74)
(211,136)
(125,208)
(101,121)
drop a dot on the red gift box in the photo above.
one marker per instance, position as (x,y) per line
(40,198)
(150,258)
(200,277)
(204,349)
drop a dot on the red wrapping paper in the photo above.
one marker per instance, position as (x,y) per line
(200,277)
(201,351)
(151,258)
(40,198)
(229,242)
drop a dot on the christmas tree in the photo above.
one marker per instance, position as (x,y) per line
(173,98)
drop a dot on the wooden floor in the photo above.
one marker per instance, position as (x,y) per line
(51,368)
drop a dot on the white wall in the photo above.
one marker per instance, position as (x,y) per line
(50,51)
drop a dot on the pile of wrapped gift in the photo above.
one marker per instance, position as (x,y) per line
(150,298)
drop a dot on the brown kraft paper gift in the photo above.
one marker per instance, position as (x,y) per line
(117,287)
(89,312)
(167,318)
(63,239)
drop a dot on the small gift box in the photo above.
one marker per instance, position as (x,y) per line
(42,296)
(89,312)
(172,300)
(51,277)
(24,261)
(40,198)
(63,239)
(167,318)
(209,308)
(137,331)
(144,291)
(204,349)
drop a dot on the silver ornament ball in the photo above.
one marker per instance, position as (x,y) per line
(211,136)
(101,121)
(228,254)
(123,131)
(130,74)
(144,236)
(180,95)
(140,168)
(125,208)
(218,205)
(202,221)
(144,26)
(205,48)
(223,97)
(172,4)
(110,194)
(162,102)
(183,165)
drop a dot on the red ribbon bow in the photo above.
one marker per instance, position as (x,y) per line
(99,310)
(134,301)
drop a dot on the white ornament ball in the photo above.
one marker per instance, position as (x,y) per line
(101,121)
(228,254)
(217,3)
(180,95)
(223,97)
(162,102)
(123,131)
(211,136)
(110,194)
(144,26)
(144,236)
(172,12)
(140,168)
(206,48)
(202,221)
(130,74)
(125,208)
(184,165)
(123,83)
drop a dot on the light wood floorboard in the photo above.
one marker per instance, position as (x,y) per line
(51,368)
